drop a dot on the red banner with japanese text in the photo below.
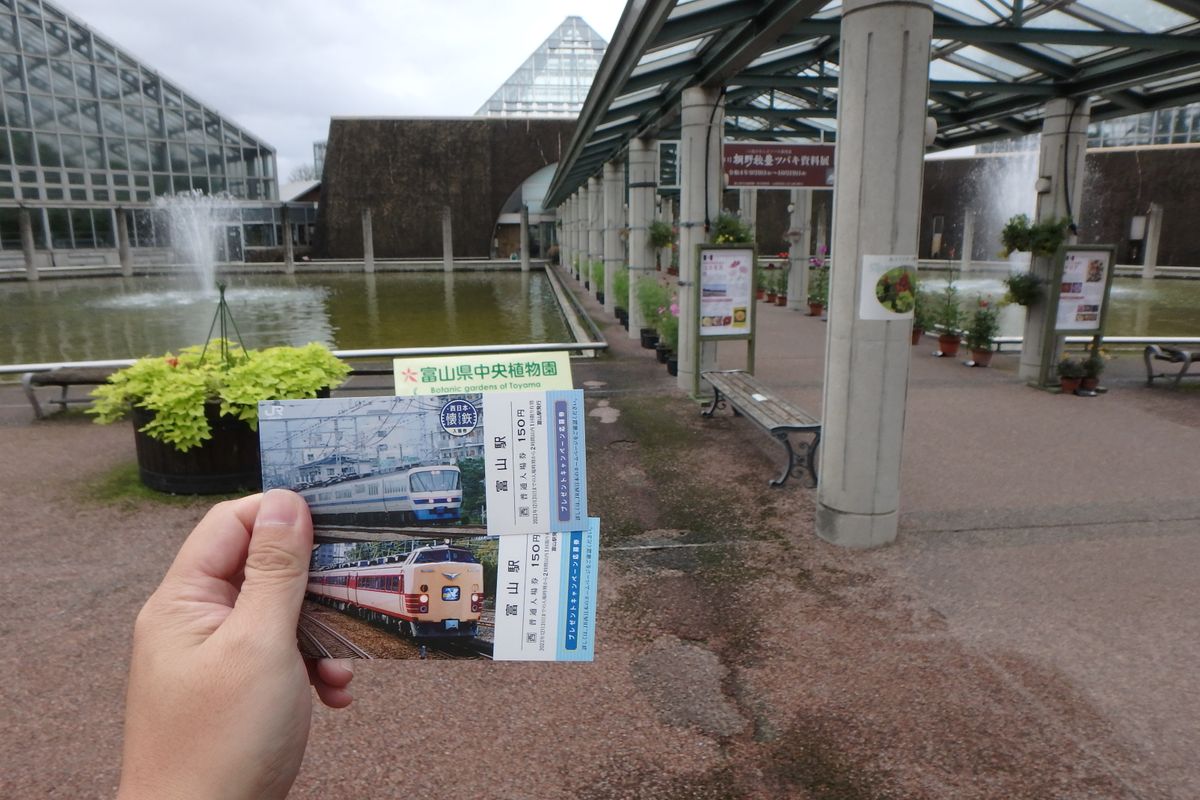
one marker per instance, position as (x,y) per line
(769,165)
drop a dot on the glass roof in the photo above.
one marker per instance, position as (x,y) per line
(993,65)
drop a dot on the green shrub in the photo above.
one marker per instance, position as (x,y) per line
(621,288)
(661,234)
(818,285)
(651,296)
(946,311)
(729,229)
(177,387)
(982,325)
(667,323)
(1024,288)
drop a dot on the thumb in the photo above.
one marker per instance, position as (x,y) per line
(276,571)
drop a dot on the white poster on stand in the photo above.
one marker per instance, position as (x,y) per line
(888,287)
(1081,292)
(726,291)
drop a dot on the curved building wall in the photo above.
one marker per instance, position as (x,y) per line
(407,170)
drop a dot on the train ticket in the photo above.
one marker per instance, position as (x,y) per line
(508,598)
(510,463)
(545,606)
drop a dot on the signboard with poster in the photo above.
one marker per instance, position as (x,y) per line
(726,292)
(1083,285)
(769,165)
(1080,285)
(724,296)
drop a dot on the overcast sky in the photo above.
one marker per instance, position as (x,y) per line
(282,68)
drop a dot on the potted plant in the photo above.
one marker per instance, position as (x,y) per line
(662,235)
(982,327)
(651,296)
(195,413)
(761,277)
(621,288)
(731,229)
(668,333)
(1015,235)
(598,281)
(1039,238)
(818,290)
(772,284)
(922,311)
(1070,373)
(1093,367)
(1023,288)
(947,316)
(781,287)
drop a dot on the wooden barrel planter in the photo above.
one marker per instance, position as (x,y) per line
(226,463)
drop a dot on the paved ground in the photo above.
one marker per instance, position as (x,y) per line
(1031,634)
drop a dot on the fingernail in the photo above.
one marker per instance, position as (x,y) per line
(278,508)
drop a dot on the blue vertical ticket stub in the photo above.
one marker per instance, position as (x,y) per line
(535,469)
(546,596)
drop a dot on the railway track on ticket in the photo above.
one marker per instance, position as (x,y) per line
(452,648)
(326,641)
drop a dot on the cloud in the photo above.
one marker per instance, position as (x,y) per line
(282,69)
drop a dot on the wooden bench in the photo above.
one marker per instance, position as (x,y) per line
(64,378)
(1171,355)
(776,416)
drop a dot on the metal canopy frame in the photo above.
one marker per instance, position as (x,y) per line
(993,66)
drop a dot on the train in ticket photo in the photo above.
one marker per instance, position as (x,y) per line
(433,591)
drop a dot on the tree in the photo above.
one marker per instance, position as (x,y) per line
(304,172)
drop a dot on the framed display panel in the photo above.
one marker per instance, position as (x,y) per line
(726,278)
(1080,288)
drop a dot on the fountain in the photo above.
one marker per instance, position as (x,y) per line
(195,220)
(1002,188)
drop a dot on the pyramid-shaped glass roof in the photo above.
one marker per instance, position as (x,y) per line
(554,81)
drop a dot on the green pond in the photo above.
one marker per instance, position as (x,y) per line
(105,318)
(1163,307)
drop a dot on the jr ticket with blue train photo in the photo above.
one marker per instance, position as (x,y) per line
(504,463)
(447,526)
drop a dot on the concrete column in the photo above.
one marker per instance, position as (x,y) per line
(800,241)
(368,242)
(26,225)
(822,230)
(614,221)
(582,221)
(1064,144)
(1154,221)
(748,209)
(289,254)
(968,241)
(565,212)
(447,240)
(667,215)
(701,130)
(579,252)
(595,248)
(524,238)
(642,185)
(123,254)
(881,142)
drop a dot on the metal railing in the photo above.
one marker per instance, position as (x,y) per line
(1109,341)
(346,355)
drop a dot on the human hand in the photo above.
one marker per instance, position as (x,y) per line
(218,702)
